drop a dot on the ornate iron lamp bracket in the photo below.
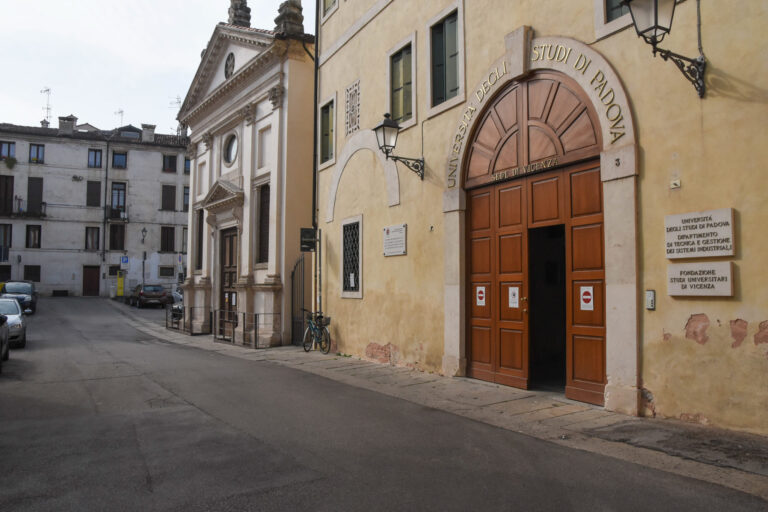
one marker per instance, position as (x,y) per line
(414,164)
(692,69)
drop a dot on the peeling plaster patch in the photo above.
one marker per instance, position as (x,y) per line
(386,354)
(762,334)
(696,329)
(647,403)
(738,331)
(667,335)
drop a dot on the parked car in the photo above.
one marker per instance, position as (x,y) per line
(145,294)
(17,327)
(177,309)
(4,345)
(22,291)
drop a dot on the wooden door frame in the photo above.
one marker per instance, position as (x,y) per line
(618,168)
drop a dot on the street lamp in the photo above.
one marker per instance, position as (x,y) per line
(653,21)
(386,138)
(143,234)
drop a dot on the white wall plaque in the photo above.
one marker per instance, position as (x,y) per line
(514,297)
(394,240)
(587,298)
(699,234)
(480,295)
(700,279)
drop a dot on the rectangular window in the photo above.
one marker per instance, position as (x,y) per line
(117,237)
(326,132)
(117,208)
(169,163)
(184,240)
(119,160)
(263,253)
(7,149)
(351,250)
(33,236)
(328,5)
(445,59)
(199,240)
(6,231)
(36,153)
(94,158)
(6,195)
(32,273)
(615,9)
(169,198)
(93,193)
(91,239)
(113,269)
(186,199)
(187,165)
(401,85)
(5,273)
(167,238)
(35,196)
(166,271)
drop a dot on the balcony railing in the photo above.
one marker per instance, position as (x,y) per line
(19,207)
(117,214)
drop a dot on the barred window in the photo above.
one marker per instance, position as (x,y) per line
(351,258)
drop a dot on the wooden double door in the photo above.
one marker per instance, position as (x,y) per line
(502,220)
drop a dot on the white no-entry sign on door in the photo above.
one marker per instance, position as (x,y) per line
(480,295)
(587,295)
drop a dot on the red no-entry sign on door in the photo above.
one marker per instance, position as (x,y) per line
(587,298)
(480,295)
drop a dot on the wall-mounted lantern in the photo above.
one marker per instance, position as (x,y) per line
(653,21)
(386,137)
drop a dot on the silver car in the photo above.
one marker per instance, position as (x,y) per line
(17,326)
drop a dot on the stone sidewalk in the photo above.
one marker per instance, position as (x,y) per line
(731,459)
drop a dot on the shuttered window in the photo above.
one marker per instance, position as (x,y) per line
(445,59)
(167,238)
(6,195)
(117,237)
(35,195)
(169,198)
(93,194)
(402,84)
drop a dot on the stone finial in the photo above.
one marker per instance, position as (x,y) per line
(289,21)
(239,13)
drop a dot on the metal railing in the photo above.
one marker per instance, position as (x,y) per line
(20,207)
(184,319)
(231,326)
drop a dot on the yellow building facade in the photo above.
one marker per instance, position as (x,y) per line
(586,221)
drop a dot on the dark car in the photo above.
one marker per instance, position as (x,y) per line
(22,291)
(145,294)
(4,341)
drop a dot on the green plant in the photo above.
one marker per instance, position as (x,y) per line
(10,162)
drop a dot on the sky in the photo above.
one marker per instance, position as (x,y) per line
(102,56)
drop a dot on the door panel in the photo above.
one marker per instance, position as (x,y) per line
(588,247)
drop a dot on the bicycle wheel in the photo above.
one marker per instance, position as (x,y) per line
(308,339)
(325,341)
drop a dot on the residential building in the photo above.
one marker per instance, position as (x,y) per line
(78,205)
(251,190)
(586,222)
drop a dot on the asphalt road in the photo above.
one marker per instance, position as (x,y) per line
(94,415)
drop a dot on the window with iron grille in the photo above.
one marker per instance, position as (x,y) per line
(351,249)
(167,236)
(352,114)
(33,236)
(263,252)
(36,153)
(32,273)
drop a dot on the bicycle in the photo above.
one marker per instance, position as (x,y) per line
(317,333)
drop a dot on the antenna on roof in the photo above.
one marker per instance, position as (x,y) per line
(120,113)
(47,108)
(175,103)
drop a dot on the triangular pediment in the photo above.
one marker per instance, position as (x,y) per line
(222,195)
(244,43)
